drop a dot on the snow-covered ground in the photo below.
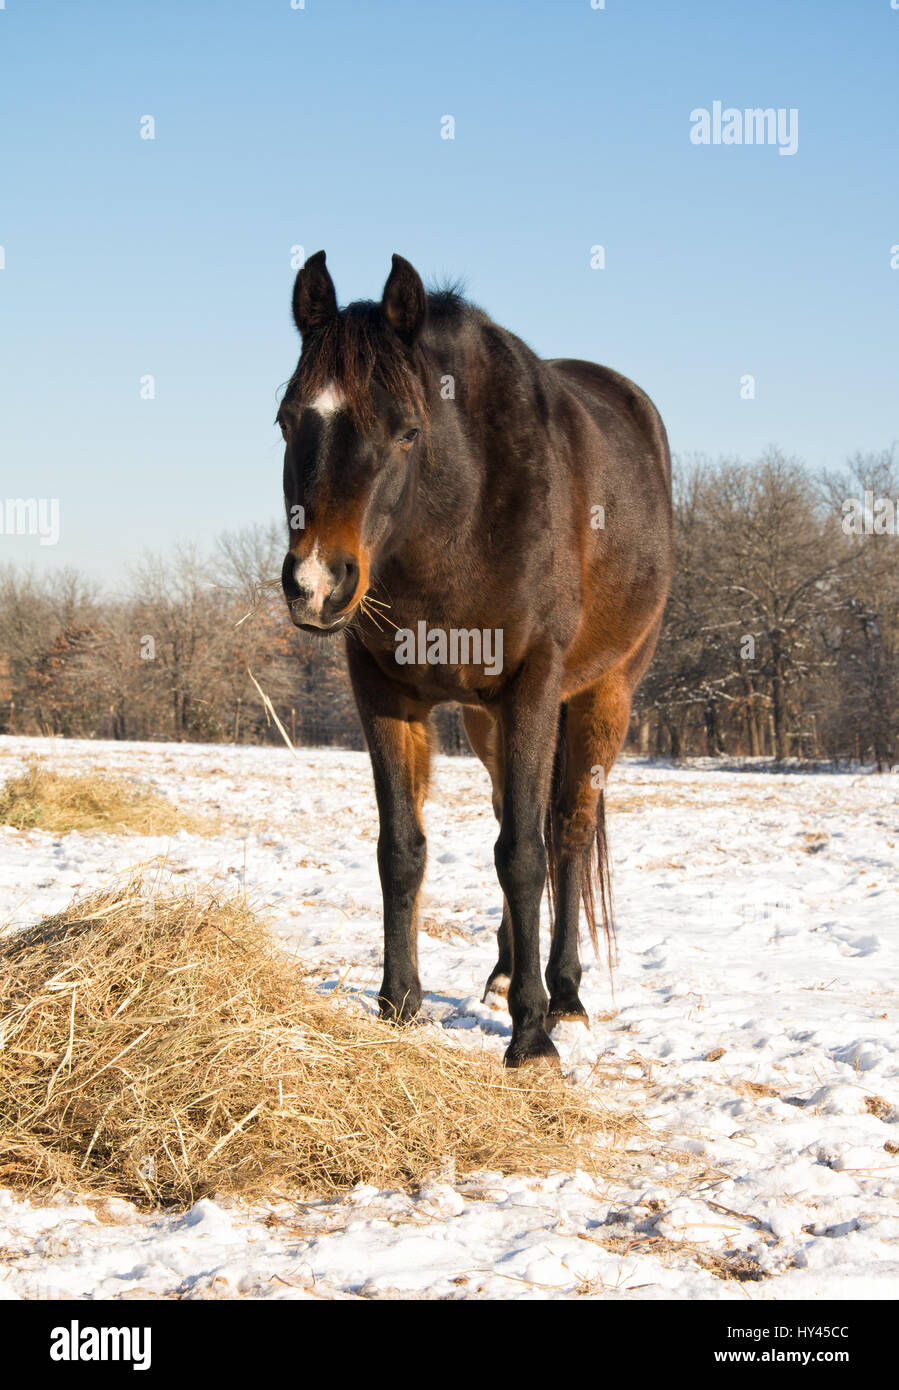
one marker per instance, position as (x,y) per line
(753,1027)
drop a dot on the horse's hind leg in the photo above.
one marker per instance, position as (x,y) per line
(592,730)
(483,735)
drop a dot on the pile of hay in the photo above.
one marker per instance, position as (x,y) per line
(160,1048)
(41,799)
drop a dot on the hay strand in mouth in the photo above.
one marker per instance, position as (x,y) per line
(159,1047)
(261,589)
(365,603)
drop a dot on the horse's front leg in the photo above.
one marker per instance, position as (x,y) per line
(528,720)
(398,738)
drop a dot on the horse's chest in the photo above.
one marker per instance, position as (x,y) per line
(437,663)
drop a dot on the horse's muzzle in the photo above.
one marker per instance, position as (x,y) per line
(319,591)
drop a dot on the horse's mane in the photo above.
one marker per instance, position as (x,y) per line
(358,347)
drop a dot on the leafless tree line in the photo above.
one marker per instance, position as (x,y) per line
(181,654)
(781,636)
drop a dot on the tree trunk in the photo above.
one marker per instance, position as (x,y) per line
(712,732)
(674,735)
(779,712)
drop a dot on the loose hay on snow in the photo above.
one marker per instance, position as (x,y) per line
(40,799)
(160,1047)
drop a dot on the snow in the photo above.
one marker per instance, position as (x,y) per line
(753,1027)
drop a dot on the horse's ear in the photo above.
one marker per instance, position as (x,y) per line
(404,302)
(314,296)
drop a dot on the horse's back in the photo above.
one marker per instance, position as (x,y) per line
(614,401)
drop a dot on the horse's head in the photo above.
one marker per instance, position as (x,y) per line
(352,417)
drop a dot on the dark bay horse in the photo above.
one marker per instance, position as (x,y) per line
(489,528)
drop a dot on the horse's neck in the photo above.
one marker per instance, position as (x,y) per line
(455,500)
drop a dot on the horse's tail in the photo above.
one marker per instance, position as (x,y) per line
(596,867)
(596,878)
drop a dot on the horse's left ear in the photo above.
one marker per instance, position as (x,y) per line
(404,302)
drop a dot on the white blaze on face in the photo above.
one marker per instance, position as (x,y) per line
(314,578)
(329,400)
(312,575)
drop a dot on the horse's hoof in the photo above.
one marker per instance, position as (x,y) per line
(572,1011)
(398,1014)
(497,984)
(396,1020)
(536,1051)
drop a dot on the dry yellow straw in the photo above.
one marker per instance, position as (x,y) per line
(159,1047)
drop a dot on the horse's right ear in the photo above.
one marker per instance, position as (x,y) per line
(314,296)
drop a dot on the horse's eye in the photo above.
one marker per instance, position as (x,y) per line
(408,438)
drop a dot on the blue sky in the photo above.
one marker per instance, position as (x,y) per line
(321,127)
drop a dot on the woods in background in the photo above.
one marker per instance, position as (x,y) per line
(781,635)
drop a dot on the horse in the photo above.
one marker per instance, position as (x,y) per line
(440,478)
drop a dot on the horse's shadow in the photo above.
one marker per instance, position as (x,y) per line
(448,1011)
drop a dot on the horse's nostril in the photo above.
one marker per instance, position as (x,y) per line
(350,580)
(346,577)
(288,579)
